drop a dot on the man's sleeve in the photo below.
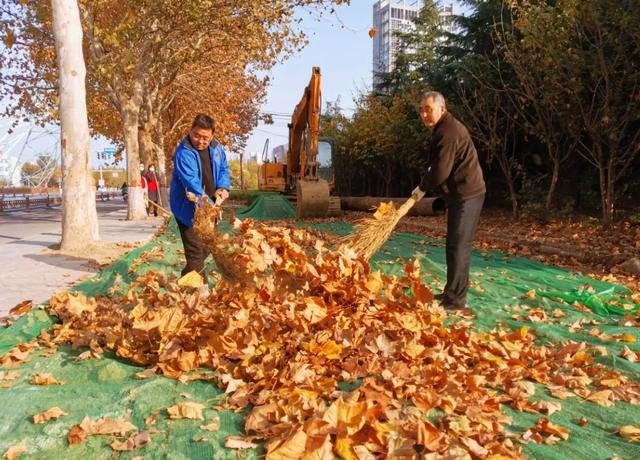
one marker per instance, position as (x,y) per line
(440,163)
(186,169)
(224,180)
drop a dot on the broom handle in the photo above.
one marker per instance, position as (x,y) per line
(168,213)
(406,206)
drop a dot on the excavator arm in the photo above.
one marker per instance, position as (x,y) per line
(303,133)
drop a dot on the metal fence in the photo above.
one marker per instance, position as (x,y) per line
(16,201)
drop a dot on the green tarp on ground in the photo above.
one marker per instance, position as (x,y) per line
(108,386)
(269,206)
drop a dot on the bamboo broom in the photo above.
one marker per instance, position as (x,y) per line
(372,232)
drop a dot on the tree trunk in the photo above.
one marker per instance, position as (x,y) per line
(79,216)
(163,180)
(129,116)
(609,196)
(145,144)
(555,173)
(513,196)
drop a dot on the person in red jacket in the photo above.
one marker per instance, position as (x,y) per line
(152,186)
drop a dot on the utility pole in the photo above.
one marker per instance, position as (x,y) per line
(241,171)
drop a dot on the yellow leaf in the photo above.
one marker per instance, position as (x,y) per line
(14,452)
(602,398)
(630,433)
(627,338)
(344,449)
(187,409)
(288,448)
(193,279)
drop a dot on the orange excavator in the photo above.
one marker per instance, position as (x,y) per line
(308,171)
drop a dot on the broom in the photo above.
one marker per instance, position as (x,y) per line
(372,232)
(166,212)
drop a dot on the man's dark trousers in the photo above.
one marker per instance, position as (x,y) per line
(462,223)
(194,250)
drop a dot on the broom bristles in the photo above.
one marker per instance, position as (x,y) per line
(372,232)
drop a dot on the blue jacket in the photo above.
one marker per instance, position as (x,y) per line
(187,177)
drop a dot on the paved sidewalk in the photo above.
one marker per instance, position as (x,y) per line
(29,270)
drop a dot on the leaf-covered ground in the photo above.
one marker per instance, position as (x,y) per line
(325,356)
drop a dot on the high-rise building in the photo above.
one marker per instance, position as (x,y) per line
(446,18)
(389,18)
(393,16)
(9,170)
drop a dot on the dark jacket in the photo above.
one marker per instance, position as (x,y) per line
(454,168)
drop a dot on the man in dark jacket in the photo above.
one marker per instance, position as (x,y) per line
(200,167)
(455,171)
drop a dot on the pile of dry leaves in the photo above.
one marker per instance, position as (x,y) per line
(314,318)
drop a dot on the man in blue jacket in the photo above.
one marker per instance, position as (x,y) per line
(200,167)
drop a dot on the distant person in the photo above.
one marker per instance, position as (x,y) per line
(454,170)
(200,167)
(145,190)
(124,188)
(152,187)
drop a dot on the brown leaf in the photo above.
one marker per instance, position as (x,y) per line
(50,414)
(135,441)
(45,379)
(548,407)
(22,308)
(630,355)
(545,426)
(105,425)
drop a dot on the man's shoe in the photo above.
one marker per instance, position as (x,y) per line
(445,302)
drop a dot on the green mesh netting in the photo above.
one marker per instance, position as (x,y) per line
(107,387)
(269,206)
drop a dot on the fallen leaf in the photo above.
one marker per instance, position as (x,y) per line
(630,355)
(50,414)
(548,407)
(14,452)
(291,447)
(545,426)
(603,398)
(45,379)
(135,441)
(213,426)
(22,308)
(630,433)
(237,442)
(193,279)
(192,410)
(105,425)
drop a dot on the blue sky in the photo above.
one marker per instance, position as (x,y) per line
(338,43)
(341,47)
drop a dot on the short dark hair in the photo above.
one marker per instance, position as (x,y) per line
(203,121)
